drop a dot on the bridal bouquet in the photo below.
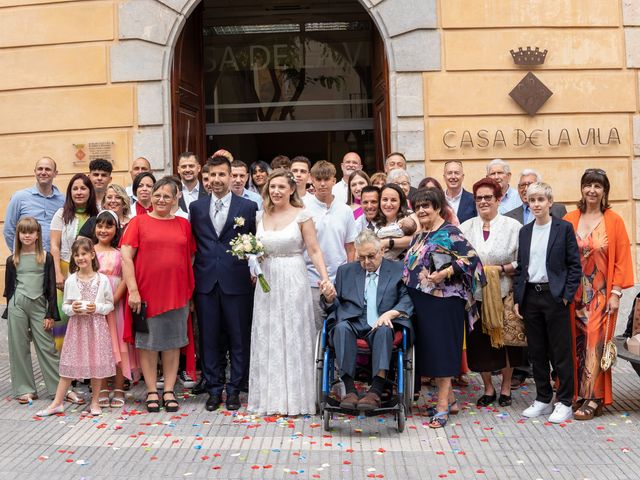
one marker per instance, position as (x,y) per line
(247,247)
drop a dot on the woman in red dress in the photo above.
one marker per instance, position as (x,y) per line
(156,263)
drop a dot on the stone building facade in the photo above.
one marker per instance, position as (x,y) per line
(94,71)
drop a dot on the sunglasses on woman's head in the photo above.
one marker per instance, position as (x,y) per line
(599,171)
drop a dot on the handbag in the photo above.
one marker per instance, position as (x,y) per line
(439,261)
(513,329)
(610,351)
(140,321)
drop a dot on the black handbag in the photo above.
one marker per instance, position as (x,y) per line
(140,321)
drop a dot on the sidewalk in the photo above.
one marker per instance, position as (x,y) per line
(477,443)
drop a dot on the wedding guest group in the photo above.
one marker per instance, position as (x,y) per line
(369,252)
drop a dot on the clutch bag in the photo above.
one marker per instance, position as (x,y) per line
(140,321)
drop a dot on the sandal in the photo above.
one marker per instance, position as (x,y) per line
(577,404)
(103,400)
(453,410)
(26,398)
(461,380)
(170,405)
(589,409)
(95,411)
(438,420)
(504,400)
(153,406)
(117,402)
(74,398)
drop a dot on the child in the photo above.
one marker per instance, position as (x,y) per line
(30,289)
(106,235)
(86,351)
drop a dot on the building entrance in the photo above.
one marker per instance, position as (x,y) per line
(262,79)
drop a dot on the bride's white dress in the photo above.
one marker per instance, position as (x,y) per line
(281,375)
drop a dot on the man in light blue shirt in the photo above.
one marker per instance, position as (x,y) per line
(239,177)
(40,202)
(499,170)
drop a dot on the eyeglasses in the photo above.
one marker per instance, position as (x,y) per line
(484,198)
(421,206)
(599,171)
(525,184)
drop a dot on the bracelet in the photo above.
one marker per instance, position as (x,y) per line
(392,242)
(617,293)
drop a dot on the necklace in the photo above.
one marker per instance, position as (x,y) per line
(435,226)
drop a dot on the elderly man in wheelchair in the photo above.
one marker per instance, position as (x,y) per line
(370,302)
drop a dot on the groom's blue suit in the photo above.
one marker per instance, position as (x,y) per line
(223,293)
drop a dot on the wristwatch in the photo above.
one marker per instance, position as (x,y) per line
(392,242)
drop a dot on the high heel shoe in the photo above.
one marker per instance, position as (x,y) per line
(486,400)
(153,406)
(589,409)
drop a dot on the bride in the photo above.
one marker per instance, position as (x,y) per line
(283,330)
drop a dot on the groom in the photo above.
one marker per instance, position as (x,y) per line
(223,291)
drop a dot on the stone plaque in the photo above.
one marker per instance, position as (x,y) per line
(86,152)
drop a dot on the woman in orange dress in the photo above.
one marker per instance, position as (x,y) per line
(607,268)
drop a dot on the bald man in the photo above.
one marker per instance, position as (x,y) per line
(40,202)
(138,166)
(350,163)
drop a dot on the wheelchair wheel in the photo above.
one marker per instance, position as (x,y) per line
(326,421)
(409,379)
(401,418)
(319,365)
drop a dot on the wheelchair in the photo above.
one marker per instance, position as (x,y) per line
(400,378)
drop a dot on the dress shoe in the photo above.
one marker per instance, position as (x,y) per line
(200,388)
(213,402)
(233,402)
(370,401)
(486,400)
(350,401)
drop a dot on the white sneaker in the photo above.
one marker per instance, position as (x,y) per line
(186,380)
(561,413)
(537,409)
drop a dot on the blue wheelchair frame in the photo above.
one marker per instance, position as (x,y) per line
(404,379)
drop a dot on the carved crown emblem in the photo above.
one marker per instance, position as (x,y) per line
(528,56)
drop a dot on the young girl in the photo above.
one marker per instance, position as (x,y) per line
(30,289)
(106,236)
(87,350)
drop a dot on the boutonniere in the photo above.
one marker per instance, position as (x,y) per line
(238,222)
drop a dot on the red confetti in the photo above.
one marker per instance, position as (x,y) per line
(439,453)
(347,462)
(480,470)
(267,466)
(349,450)
(255,467)
(69,460)
(154,458)
(455,436)
(484,439)
(215,468)
(443,475)
(451,471)
(600,427)
(246,438)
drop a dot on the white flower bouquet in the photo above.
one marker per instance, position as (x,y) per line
(247,247)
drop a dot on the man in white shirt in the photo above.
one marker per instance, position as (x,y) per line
(335,227)
(192,189)
(462,201)
(369,201)
(300,168)
(239,177)
(499,170)
(138,166)
(350,163)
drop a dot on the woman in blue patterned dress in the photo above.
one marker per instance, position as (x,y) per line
(441,271)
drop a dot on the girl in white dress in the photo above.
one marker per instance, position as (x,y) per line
(281,375)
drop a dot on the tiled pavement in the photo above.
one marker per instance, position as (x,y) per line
(483,444)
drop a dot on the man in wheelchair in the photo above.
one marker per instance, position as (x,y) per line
(369,302)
